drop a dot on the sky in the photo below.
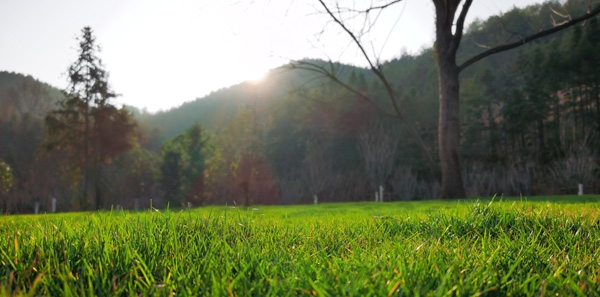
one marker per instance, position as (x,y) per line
(161,54)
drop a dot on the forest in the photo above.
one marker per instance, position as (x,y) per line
(530,125)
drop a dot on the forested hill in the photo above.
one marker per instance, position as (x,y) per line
(216,109)
(412,75)
(21,94)
(528,116)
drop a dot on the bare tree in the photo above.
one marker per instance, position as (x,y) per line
(318,173)
(449,24)
(378,143)
(576,168)
(292,188)
(405,183)
(512,179)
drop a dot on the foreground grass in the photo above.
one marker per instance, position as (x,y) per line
(545,247)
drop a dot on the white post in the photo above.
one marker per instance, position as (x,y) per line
(53,204)
(36,207)
(315,199)
(189,204)
(380,193)
(580,190)
(376,196)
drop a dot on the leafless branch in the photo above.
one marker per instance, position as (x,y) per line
(591,13)
(566,16)
(482,45)
(350,33)
(380,7)
(367,10)
(308,66)
(375,68)
(304,65)
(554,23)
(504,29)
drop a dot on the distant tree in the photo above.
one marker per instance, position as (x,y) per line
(170,176)
(197,150)
(6,183)
(183,166)
(577,167)
(378,144)
(245,148)
(86,125)
(238,169)
(318,172)
(133,175)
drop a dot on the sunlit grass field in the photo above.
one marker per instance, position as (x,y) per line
(539,246)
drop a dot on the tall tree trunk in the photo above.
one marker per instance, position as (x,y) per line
(98,194)
(246,192)
(446,46)
(597,97)
(557,116)
(541,142)
(86,155)
(492,132)
(449,129)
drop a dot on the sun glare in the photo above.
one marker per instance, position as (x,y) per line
(256,75)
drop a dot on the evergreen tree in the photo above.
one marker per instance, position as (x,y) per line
(86,125)
(170,176)
(183,165)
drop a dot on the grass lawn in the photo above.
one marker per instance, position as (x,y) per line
(540,246)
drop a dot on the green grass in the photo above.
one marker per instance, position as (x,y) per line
(522,247)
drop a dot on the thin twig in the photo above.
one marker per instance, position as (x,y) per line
(375,68)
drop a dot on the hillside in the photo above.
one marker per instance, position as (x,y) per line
(215,110)
(21,95)
(413,76)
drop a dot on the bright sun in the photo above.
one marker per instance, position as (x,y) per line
(255,75)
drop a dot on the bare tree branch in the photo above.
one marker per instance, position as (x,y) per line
(507,30)
(350,33)
(481,45)
(529,38)
(372,8)
(377,71)
(303,65)
(566,16)
(554,23)
(381,7)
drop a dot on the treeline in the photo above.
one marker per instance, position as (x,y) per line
(530,125)
(540,116)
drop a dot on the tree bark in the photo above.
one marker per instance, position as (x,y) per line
(449,129)
(446,46)
(86,155)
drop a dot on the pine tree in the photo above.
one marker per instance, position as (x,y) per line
(86,125)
